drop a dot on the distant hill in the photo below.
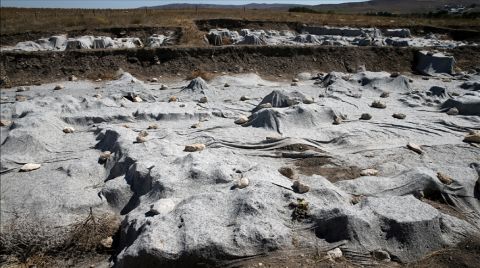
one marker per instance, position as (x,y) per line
(247,6)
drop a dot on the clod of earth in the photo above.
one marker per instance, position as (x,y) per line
(369,172)
(58,87)
(453,111)
(68,130)
(242,183)
(365,116)
(30,167)
(399,116)
(194,147)
(378,104)
(5,123)
(415,147)
(473,136)
(445,179)
(141,139)
(385,95)
(300,187)
(172,99)
(287,172)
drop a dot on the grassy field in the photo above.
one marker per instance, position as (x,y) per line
(14,20)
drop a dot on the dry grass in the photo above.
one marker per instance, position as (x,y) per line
(14,20)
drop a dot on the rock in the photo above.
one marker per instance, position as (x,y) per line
(295,80)
(194,147)
(22,89)
(72,78)
(152,126)
(58,87)
(107,242)
(137,99)
(308,100)
(163,87)
(334,254)
(294,84)
(381,255)
(445,179)
(453,111)
(98,96)
(415,147)
(226,85)
(241,120)
(337,120)
(98,80)
(203,100)
(141,139)
(473,136)
(104,156)
(29,167)
(273,138)
(196,125)
(68,130)
(172,99)
(244,98)
(265,105)
(369,172)
(20,98)
(378,104)
(365,116)
(385,95)
(154,80)
(399,116)
(300,187)
(395,74)
(242,183)
(5,123)
(287,172)
(143,133)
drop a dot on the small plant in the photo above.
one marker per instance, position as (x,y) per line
(300,209)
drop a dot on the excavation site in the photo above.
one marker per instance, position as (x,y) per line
(220,141)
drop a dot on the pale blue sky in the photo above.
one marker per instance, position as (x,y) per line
(141,3)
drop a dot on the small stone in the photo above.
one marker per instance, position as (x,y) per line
(104,156)
(395,74)
(22,89)
(300,187)
(265,105)
(98,96)
(385,95)
(68,130)
(29,167)
(381,255)
(58,87)
(294,84)
(226,85)
(98,80)
(241,120)
(154,80)
(163,87)
(72,78)
(337,120)
(141,139)
(378,104)
(143,133)
(273,138)
(415,147)
(194,147)
(5,123)
(196,125)
(453,111)
(399,116)
(455,94)
(445,179)
(365,116)
(287,172)
(172,99)
(152,126)
(181,105)
(308,100)
(244,98)
(369,172)
(107,242)
(334,254)
(295,80)
(137,99)
(203,100)
(242,183)
(20,98)
(473,136)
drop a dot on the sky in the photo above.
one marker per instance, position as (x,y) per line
(142,3)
